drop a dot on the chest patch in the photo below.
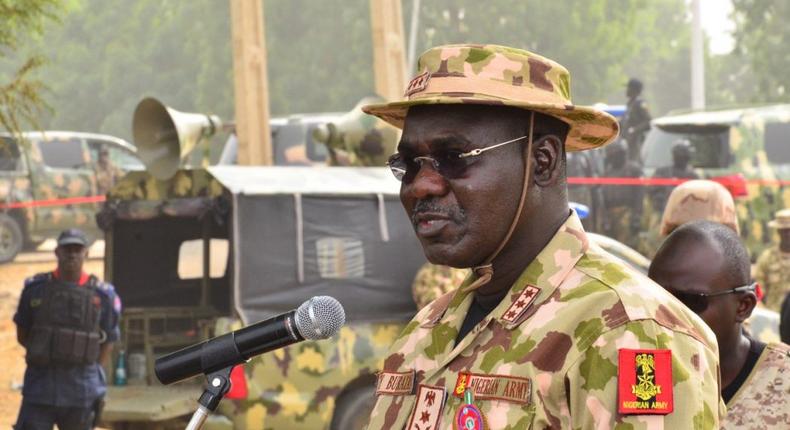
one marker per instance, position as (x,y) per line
(428,410)
(645,381)
(395,383)
(521,304)
(494,387)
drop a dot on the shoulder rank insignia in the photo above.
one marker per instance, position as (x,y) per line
(645,381)
(427,411)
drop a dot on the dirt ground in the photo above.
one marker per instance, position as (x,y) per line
(12,356)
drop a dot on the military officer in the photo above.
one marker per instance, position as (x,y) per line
(773,266)
(548,331)
(705,265)
(67,321)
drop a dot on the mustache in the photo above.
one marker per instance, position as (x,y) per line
(432,206)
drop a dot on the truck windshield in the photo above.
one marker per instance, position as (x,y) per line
(710,143)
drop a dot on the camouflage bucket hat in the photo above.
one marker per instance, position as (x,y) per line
(781,220)
(498,75)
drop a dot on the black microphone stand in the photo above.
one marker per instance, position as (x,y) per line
(218,386)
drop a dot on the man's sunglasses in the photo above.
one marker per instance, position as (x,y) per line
(698,302)
(449,164)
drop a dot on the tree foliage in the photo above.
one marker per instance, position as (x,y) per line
(109,54)
(21,99)
(761,58)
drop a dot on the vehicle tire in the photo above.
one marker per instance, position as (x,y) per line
(353,409)
(11,238)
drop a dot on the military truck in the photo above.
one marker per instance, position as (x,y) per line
(747,150)
(209,250)
(48,183)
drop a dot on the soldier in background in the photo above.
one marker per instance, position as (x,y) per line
(773,266)
(706,266)
(67,321)
(622,214)
(106,172)
(547,331)
(636,120)
(680,168)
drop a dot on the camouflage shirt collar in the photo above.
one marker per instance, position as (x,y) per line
(545,273)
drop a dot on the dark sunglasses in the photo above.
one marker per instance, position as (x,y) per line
(449,164)
(698,302)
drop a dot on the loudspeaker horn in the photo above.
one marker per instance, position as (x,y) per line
(164,136)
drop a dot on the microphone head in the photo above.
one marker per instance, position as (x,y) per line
(320,318)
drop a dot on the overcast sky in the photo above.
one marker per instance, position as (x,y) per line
(717,24)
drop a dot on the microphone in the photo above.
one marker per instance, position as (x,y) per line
(318,318)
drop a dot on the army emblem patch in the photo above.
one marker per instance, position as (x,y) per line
(645,381)
(395,383)
(428,411)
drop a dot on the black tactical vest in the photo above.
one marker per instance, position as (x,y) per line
(65,325)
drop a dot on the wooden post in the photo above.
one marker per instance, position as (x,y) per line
(389,59)
(250,82)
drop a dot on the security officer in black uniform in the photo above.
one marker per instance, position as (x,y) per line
(636,120)
(67,321)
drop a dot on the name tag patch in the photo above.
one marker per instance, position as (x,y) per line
(395,383)
(428,410)
(645,381)
(494,387)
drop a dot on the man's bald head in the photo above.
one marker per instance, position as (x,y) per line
(700,259)
(719,239)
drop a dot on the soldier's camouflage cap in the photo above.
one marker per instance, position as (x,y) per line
(498,75)
(699,199)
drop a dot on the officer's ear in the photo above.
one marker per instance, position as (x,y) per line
(746,303)
(547,160)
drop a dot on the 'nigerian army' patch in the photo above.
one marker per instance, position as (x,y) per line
(395,383)
(494,387)
(645,381)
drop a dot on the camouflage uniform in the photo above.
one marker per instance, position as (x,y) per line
(763,401)
(548,354)
(433,281)
(773,273)
(561,329)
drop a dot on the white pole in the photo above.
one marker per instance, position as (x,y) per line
(697,59)
(415,22)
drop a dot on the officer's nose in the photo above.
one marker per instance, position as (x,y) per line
(427,183)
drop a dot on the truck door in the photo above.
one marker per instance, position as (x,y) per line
(63,185)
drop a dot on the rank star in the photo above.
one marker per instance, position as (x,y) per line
(425,416)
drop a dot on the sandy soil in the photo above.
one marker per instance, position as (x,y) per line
(12,356)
